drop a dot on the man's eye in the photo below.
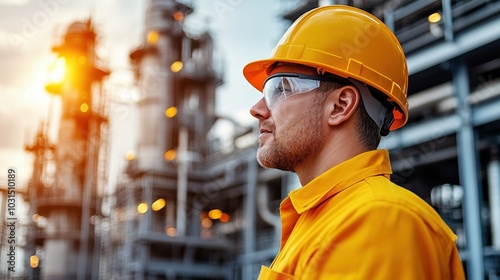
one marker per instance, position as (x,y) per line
(284,90)
(278,92)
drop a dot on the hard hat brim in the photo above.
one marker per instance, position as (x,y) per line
(256,72)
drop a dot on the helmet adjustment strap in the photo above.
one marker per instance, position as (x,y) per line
(386,125)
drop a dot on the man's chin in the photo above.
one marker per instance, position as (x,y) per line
(262,158)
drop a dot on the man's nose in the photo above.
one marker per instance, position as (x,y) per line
(260,110)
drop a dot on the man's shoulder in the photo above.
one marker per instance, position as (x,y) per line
(379,195)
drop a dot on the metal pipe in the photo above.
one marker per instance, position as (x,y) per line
(87,192)
(468,170)
(98,231)
(448,20)
(165,92)
(249,212)
(429,97)
(263,206)
(147,182)
(182,171)
(494,197)
(489,90)
(265,213)
(130,213)
(389,17)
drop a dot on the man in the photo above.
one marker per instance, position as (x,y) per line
(335,83)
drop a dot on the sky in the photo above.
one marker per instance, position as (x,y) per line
(243,30)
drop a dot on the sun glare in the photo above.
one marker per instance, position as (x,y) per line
(57,71)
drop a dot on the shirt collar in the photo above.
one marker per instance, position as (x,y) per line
(340,177)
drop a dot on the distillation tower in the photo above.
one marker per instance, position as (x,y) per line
(159,234)
(65,189)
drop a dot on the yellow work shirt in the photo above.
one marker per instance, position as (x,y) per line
(352,222)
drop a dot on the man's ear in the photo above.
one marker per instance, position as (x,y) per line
(342,104)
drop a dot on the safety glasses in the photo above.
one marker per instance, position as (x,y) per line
(280,86)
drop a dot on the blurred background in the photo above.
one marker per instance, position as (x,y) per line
(128,126)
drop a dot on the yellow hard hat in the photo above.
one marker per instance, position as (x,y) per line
(345,41)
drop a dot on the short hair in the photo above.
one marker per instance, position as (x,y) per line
(368,131)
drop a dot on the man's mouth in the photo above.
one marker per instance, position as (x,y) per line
(264,131)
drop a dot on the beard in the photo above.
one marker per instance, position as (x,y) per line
(299,139)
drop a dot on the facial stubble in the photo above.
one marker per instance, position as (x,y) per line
(295,142)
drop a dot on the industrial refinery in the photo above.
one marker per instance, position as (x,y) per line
(184,207)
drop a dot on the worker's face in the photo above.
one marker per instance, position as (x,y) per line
(291,131)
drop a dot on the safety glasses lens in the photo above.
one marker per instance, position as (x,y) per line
(279,88)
